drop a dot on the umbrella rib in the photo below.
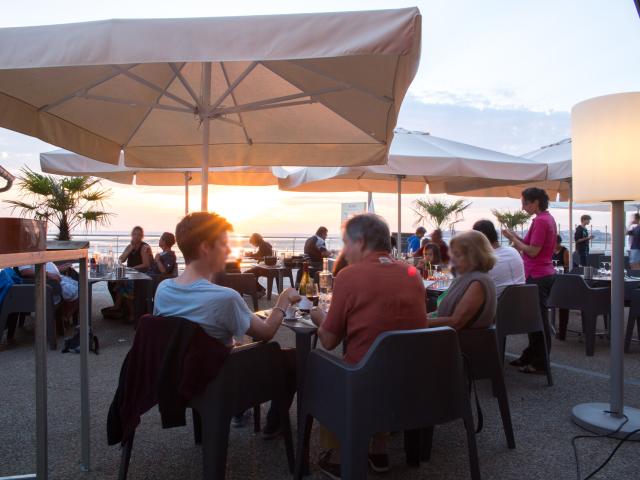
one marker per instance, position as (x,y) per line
(369,134)
(235,104)
(185,83)
(235,83)
(382,98)
(150,109)
(266,107)
(153,86)
(274,102)
(135,103)
(100,81)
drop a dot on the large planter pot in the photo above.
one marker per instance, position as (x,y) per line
(22,235)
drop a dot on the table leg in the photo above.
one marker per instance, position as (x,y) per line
(85,296)
(303,348)
(41,372)
(269,284)
(280,282)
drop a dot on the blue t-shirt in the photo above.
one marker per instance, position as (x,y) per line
(635,237)
(220,311)
(413,243)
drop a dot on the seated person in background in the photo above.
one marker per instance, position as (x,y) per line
(561,254)
(165,261)
(315,247)
(64,287)
(509,267)
(264,248)
(430,254)
(413,242)
(361,309)
(220,311)
(436,237)
(138,254)
(470,301)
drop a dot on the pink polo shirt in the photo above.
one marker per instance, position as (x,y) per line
(542,233)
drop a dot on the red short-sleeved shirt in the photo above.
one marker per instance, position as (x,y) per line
(543,233)
(374,296)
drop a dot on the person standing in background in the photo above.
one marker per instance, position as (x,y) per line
(582,239)
(537,250)
(315,247)
(414,241)
(634,233)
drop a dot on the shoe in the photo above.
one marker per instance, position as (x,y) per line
(331,470)
(261,294)
(379,462)
(519,362)
(240,421)
(269,432)
(531,370)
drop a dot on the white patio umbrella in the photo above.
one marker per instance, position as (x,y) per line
(304,89)
(63,162)
(415,160)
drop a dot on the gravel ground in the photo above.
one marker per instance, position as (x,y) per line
(540,415)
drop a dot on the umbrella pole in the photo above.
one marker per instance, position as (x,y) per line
(186,193)
(204,115)
(399,235)
(369,200)
(571,224)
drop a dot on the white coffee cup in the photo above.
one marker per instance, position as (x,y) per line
(291,312)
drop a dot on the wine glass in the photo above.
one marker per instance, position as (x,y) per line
(312,293)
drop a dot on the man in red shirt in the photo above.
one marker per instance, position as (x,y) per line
(372,295)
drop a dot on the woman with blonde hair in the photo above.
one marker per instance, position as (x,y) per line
(470,301)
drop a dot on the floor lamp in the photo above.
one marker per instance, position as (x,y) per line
(606,168)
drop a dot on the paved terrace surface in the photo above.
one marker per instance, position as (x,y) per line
(540,414)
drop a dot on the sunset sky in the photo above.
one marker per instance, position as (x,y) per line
(498,74)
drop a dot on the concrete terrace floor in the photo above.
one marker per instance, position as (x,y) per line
(540,415)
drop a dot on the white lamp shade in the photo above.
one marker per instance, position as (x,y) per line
(606,148)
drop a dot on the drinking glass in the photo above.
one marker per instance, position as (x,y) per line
(312,293)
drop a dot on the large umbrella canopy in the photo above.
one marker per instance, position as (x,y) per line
(419,159)
(415,160)
(305,89)
(557,180)
(63,162)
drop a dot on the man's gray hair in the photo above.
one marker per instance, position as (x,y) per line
(371,229)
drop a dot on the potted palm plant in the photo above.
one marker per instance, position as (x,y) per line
(65,202)
(511,220)
(439,212)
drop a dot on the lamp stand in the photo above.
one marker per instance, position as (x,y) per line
(603,418)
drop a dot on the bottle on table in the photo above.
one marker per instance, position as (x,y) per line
(306,289)
(326,279)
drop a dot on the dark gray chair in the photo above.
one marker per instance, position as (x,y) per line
(633,319)
(571,292)
(518,312)
(480,347)
(408,381)
(252,374)
(243,283)
(20,299)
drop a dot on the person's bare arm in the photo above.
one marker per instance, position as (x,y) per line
(468,306)
(265,329)
(531,250)
(31,273)
(123,257)
(159,263)
(329,340)
(147,258)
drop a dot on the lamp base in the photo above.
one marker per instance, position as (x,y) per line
(592,417)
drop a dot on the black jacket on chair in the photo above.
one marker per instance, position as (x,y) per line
(171,361)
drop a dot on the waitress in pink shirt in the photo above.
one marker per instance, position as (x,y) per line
(537,250)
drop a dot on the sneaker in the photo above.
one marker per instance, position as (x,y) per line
(519,362)
(331,470)
(270,432)
(379,462)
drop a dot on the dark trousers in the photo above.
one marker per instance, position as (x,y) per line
(534,354)
(256,271)
(583,258)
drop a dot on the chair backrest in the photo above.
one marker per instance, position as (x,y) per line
(243,283)
(409,378)
(480,347)
(21,299)
(518,311)
(568,291)
(252,374)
